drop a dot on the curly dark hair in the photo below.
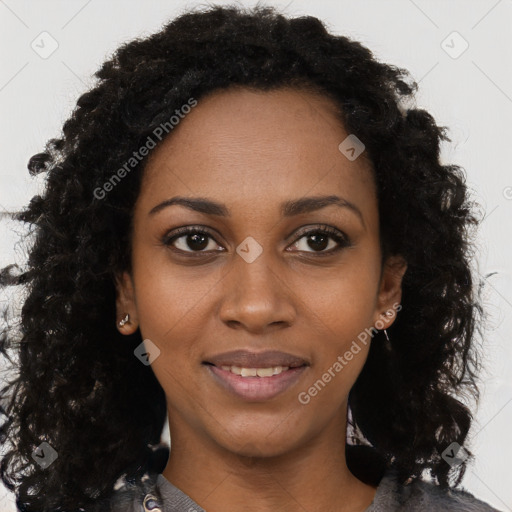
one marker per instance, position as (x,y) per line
(76,382)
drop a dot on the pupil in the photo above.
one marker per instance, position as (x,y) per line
(196,239)
(320,246)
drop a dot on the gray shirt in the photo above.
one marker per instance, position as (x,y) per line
(418,496)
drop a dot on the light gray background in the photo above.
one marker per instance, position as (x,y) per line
(471,94)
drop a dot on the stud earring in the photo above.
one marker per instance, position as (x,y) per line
(124,320)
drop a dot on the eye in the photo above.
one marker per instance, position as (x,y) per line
(190,239)
(319,240)
(198,240)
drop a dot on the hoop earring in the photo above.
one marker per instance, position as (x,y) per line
(124,320)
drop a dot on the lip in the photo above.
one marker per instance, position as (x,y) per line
(256,389)
(249,359)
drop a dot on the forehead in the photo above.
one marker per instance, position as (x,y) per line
(243,144)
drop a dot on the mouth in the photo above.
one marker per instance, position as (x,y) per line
(255,372)
(255,384)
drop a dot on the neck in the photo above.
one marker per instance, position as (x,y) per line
(313,476)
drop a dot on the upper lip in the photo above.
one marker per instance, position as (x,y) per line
(249,359)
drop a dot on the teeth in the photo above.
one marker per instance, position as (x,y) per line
(255,372)
(265,372)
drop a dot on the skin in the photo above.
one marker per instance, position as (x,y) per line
(252,150)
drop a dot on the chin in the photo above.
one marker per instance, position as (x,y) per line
(258,450)
(259,445)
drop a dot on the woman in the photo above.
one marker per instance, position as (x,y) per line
(245,230)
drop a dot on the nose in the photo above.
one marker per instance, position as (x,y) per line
(255,297)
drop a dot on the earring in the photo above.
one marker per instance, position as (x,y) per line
(387,343)
(124,320)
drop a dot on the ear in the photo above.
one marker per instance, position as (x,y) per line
(390,291)
(125,303)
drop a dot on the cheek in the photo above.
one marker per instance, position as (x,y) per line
(343,300)
(169,297)
(338,312)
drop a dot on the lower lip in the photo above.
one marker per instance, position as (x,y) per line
(256,389)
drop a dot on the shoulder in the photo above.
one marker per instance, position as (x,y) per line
(422,496)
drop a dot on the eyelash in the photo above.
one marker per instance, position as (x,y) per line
(342,240)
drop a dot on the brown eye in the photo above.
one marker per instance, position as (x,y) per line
(320,239)
(191,240)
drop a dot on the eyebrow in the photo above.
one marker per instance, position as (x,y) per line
(288,208)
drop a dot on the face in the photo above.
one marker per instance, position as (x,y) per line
(258,271)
